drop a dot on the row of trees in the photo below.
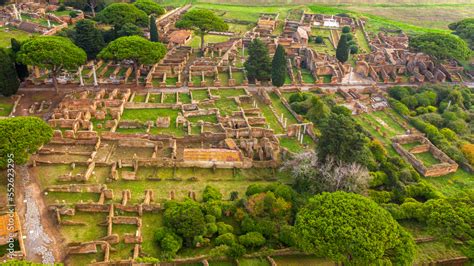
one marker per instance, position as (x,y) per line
(260,67)
(341,226)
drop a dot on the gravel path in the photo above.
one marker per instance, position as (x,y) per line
(37,242)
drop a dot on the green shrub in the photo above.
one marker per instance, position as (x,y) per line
(252,240)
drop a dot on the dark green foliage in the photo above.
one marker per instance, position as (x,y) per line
(354,49)
(53,53)
(234,195)
(236,251)
(185,219)
(225,239)
(21,69)
(441,46)
(118,14)
(9,82)
(342,51)
(153,30)
(288,235)
(88,37)
(342,138)
(211,193)
(223,228)
(258,65)
(252,240)
(346,29)
(149,7)
(279,67)
(352,229)
(128,29)
(202,21)
(318,40)
(134,48)
(465,30)
(22,136)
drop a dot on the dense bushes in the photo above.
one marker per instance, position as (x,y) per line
(448,219)
(442,113)
(441,46)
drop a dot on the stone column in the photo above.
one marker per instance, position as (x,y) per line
(81,80)
(95,75)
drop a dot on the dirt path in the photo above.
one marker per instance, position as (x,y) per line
(43,242)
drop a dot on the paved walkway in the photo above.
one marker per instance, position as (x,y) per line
(38,243)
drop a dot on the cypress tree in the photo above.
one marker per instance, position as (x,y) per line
(153,30)
(21,69)
(279,67)
(9,82)
(258,64)
(342,51)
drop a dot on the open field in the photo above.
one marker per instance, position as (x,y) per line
(6,34)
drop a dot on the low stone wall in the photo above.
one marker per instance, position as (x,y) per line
(446,165)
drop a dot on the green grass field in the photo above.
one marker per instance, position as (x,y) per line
(6,34)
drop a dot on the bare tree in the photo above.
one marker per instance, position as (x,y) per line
(313,176)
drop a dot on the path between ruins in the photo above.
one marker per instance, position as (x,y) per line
(43,242)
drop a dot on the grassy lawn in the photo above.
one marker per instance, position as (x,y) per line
(427,158)
(307,76)
(170,98)
(148,114)
(239,77)
(185,98)
(6,34)
(139,98)
(226,106)
(244,13)
(362,41)
(195,42)
(432,251)
(270,118)
(6,105)
(151,222)
(200,95)
(224,93)
(375,22)
(91,231)
(454,184)
(205,118)
(253,262)
(281,109)
(424,15)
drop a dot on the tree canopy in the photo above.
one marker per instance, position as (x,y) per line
(134,48)
(465,30)
(53,53)
(342,138)
(9,82)
(185,219)
(22,136)
(441,46)
(352,229)
(279,66)
(258,64)
(149,7)
(202,21)
(88,37)
(117,14)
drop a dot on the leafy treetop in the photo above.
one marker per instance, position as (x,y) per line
(118,14)
(22,136)
(149,7)
(441,46)
(352,229)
